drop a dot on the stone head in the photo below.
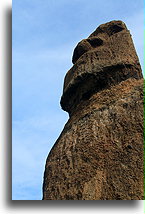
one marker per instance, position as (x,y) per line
(105,58)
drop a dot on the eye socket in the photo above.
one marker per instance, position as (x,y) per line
(95,42)
(115,29)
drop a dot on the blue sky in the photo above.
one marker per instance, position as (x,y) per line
(44,34)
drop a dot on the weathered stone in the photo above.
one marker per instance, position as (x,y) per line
(99,154)
(106,58)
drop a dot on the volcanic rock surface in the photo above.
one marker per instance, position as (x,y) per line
(99,154)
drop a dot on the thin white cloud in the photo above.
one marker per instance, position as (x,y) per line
(49,54)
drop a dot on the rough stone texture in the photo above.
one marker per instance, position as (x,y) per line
(99,154)
(100,64)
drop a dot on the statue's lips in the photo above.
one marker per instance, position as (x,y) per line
(84,84)
(92,63)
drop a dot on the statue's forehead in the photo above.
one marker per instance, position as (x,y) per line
(109,29)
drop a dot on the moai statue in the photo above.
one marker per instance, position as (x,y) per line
(99,154)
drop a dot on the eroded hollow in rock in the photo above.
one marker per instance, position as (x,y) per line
(115,29)
(95,42)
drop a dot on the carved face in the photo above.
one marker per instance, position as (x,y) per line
(105,58)
(101,38)
(111,43)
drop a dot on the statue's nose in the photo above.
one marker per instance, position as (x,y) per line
(80,49)
(84,46)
